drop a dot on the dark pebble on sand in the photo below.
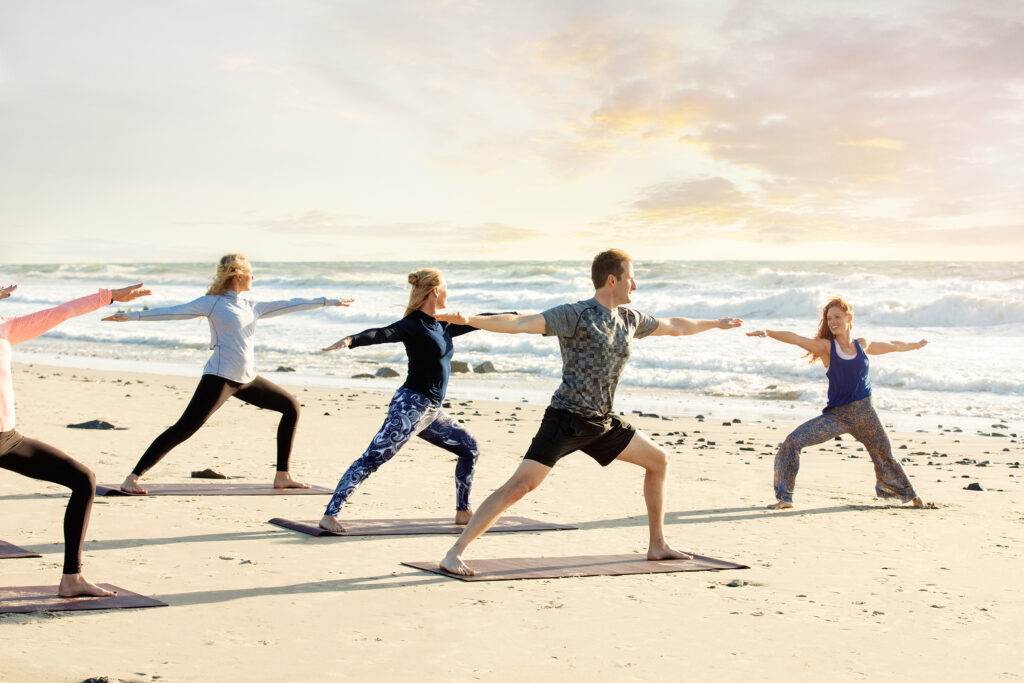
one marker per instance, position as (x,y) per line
(973,486)
(362,375)
(736,583)
(486,366)
(460,366)
(385,372)
(93,424)
(284,368)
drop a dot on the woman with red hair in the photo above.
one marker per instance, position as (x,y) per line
(849,409)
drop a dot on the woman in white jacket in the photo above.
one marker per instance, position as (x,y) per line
(231,369)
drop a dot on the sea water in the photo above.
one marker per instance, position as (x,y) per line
(972,314)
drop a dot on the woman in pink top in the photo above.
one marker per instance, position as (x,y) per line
(39,460)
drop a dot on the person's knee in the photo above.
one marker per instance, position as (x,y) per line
(790,446)
(659,461)
(468,450)
(83,480)
(291,407)
(519,487)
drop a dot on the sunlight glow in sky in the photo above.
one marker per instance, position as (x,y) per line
(320,130)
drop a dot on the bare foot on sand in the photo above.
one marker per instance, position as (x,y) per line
(780,505)
(283,480)
(130,485)
(72,585)
(462,517)
(918,503)
(662,551)
(453,564)
(331,524)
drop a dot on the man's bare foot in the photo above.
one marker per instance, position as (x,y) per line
(664,552)
(131,485)
(453,564)
(72,585)
(283,480)
(780,505)
(462,517)
(331,524)
(917,502)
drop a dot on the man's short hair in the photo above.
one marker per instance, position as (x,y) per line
(611,262)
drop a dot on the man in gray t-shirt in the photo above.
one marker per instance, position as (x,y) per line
(595,337)
(595,343)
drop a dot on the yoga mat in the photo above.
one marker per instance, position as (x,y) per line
(9,551)
(395,527)
(25,599)
(582,565)
(220,489)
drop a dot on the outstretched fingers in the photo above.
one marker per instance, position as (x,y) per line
(6,291)
(129,293)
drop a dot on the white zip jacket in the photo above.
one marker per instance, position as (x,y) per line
(232,327)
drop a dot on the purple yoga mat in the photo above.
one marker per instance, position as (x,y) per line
(583,565)
(397,527)
(26,599)
(218,489)
(9,551)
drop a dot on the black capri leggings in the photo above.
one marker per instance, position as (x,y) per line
(210,395)
(41,461)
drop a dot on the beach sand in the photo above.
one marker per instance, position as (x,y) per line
(842,587)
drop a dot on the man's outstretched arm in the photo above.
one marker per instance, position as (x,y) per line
(678,327)
(508,323)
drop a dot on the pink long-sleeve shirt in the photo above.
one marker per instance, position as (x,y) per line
(14,330)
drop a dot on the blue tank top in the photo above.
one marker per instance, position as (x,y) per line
(847,379)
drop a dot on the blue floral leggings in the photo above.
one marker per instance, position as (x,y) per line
(412,414)
(858,419)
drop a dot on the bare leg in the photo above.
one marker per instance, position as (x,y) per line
(645,453)
(72,585)
(527,477)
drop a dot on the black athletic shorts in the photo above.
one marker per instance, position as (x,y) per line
(562,432)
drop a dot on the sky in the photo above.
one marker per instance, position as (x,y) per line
(407,129)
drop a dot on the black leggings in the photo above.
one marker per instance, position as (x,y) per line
(210,395)
(40,461)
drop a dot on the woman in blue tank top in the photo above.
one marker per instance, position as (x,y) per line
(415,409)
(849,409)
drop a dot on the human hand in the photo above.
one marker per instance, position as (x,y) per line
(6,291)
(343,343)
(129,293)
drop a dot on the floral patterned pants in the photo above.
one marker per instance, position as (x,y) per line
(412,414)
(858,419)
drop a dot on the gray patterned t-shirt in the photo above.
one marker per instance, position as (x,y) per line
(595,345)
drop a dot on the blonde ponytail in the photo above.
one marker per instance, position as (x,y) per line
(423,281)
(230,265)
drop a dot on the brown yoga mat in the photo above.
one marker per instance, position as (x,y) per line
(9,551)
(25,599)
(190,489)
(582,565)
(395,527)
